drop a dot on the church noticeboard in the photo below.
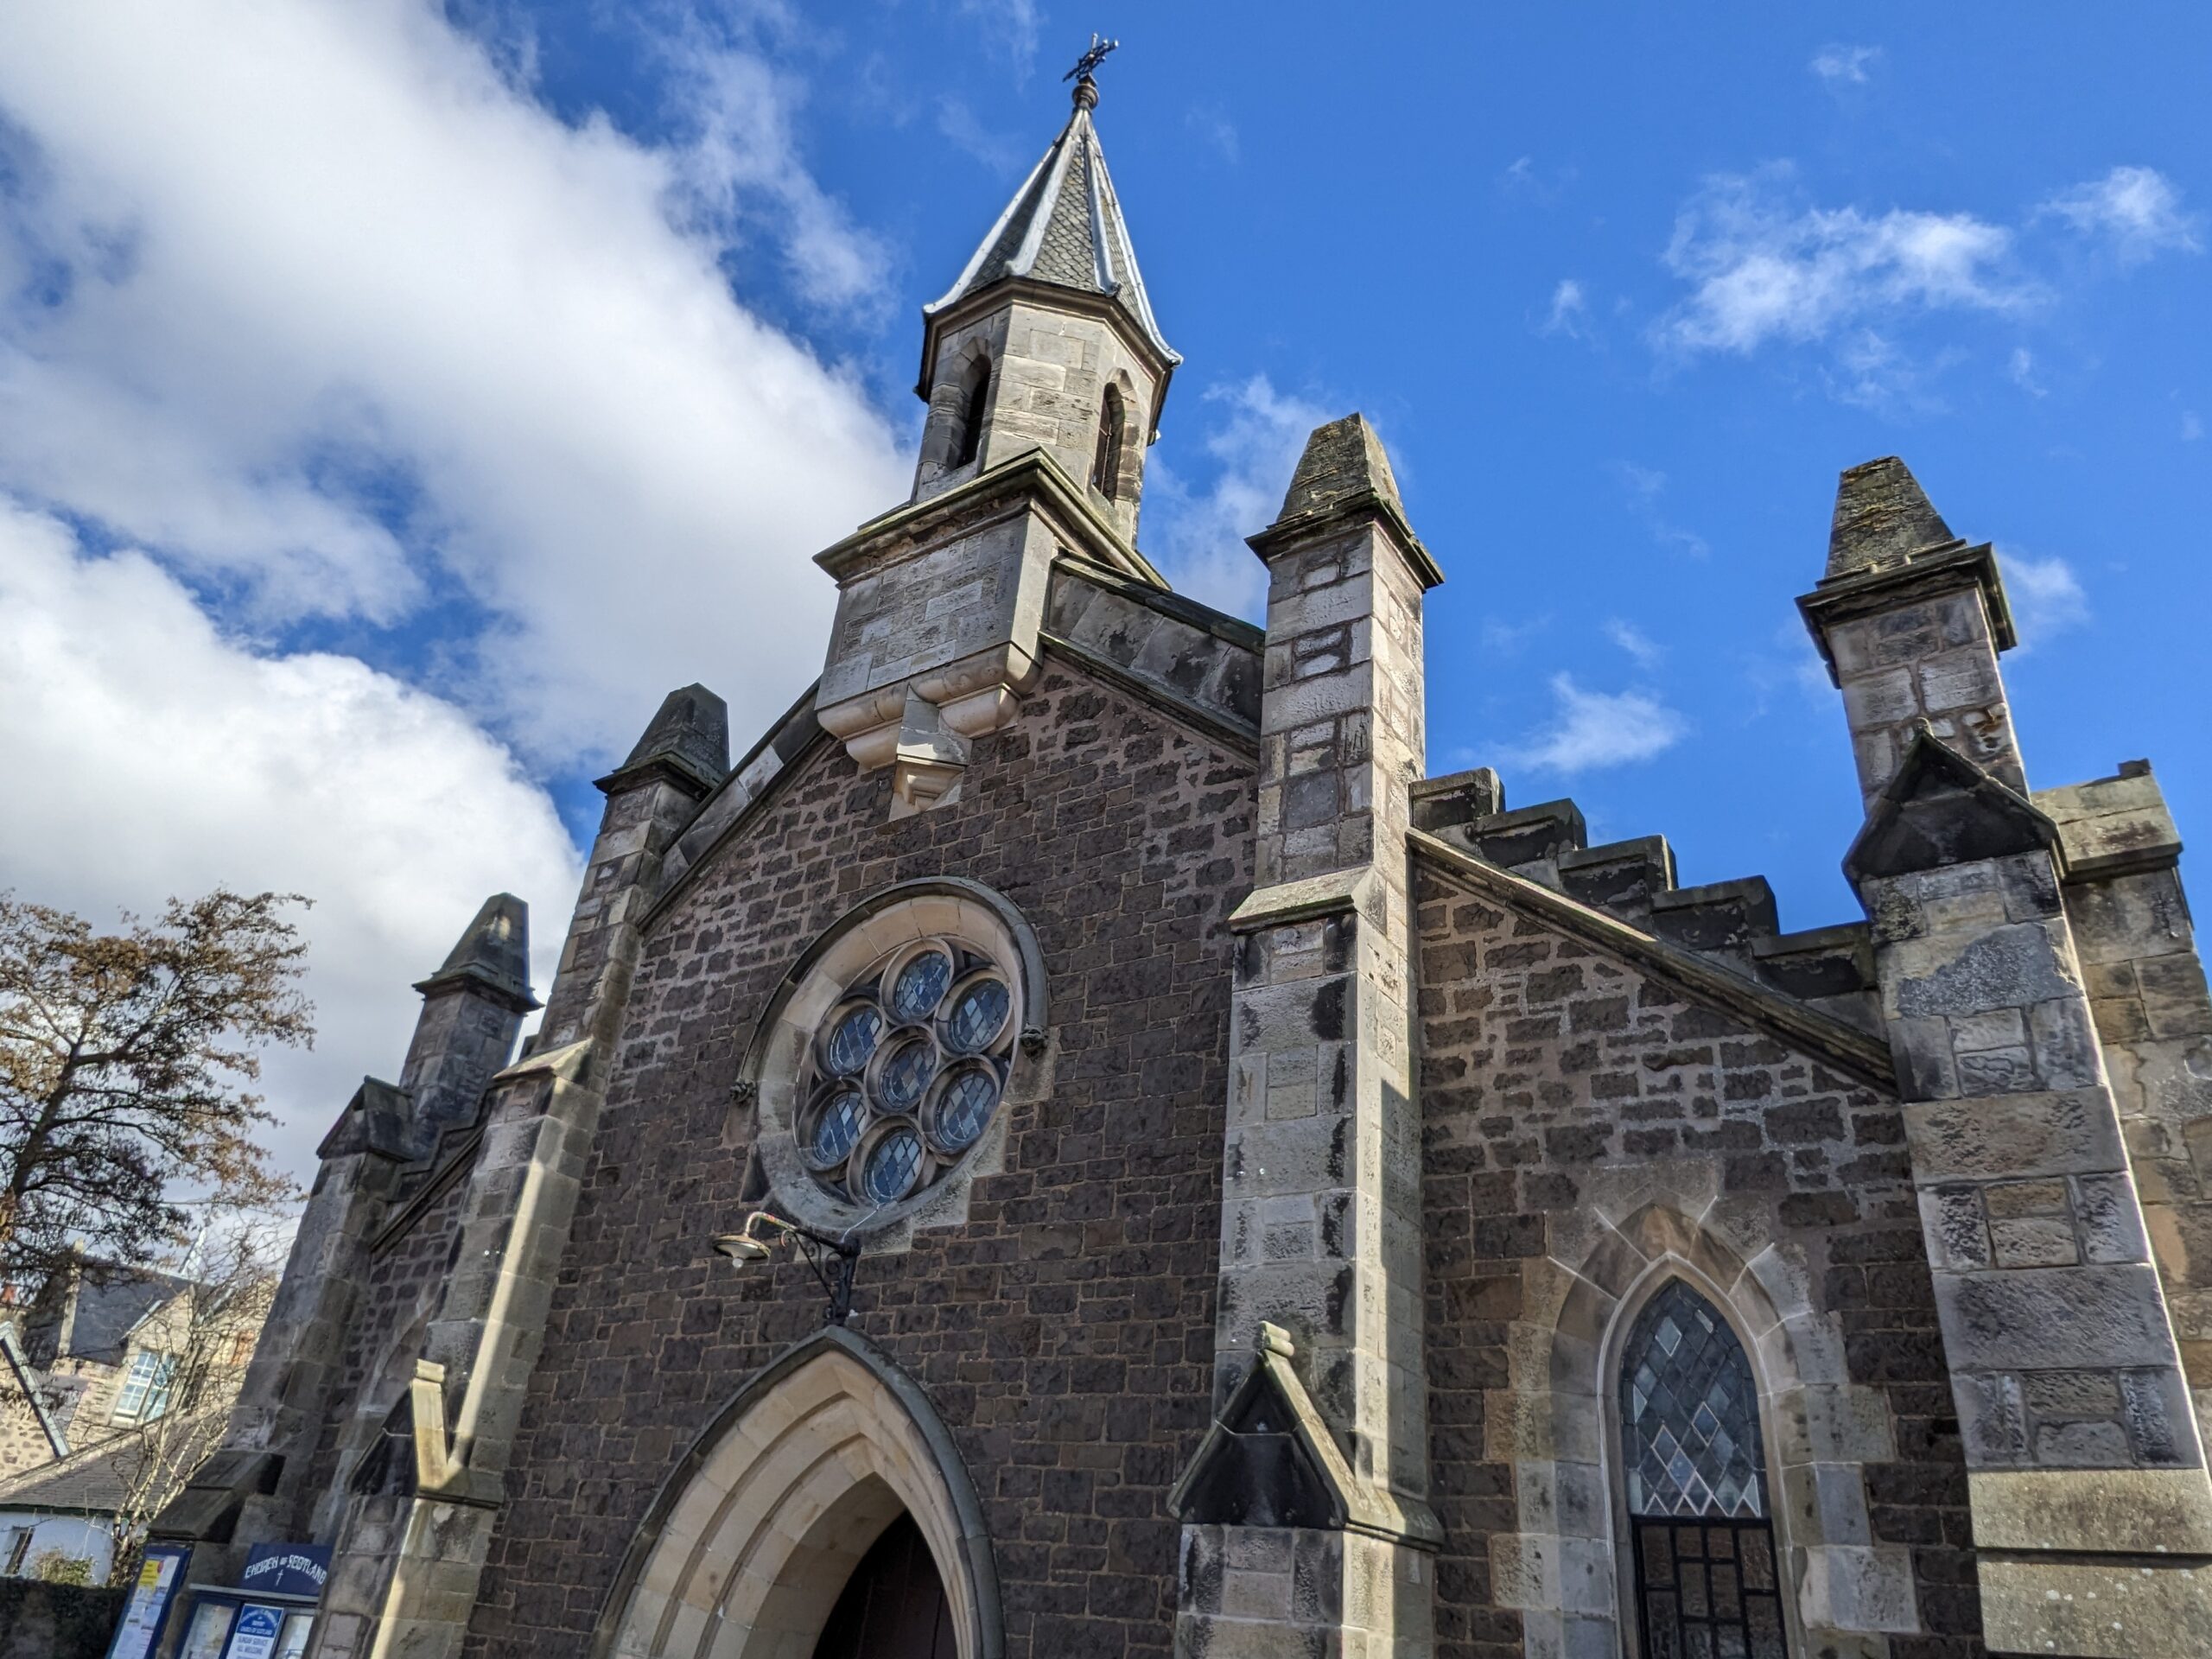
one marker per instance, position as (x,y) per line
(159,1573)
(286,1570)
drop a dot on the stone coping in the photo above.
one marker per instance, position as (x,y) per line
(1825,1038)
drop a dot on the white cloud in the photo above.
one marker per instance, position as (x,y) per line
(1646,486)
(1590,729)
(1010,27)
(1503,639)
(152,756)
(2022,370)
(342,317)
(1570,310)
(1200,537)
(2192,427)
(1842,65)
(1763,267)
(1642,650)
(1212,123)
(958,124)
(2045,595)
(2137,208)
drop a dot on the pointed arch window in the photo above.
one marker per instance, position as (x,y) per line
(1695,1471)
(975,398)
(1106,465)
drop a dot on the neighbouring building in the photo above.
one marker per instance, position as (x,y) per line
(1303,1205)
(114,1383)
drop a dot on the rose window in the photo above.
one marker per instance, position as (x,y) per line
(904,1073)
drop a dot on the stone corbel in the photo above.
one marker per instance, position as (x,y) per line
(921,726)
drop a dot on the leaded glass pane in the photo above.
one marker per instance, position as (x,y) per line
(964,1107)
(978,1012)
(892,1163)
(837,1129)
(920,984)
(1689,1413)
(853,1039)
(905,1074)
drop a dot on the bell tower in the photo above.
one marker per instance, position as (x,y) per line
(1044,370)
(1047,341)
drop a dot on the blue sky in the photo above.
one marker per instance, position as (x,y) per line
(395,400)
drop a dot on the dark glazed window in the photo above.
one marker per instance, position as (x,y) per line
(905,1071)
(974,397)
(1106,465)
(1695,1473)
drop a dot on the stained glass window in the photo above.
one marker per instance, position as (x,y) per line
(1696,1476)
(923,1039)
(1689,1412)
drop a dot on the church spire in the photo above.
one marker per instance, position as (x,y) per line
(1064,229)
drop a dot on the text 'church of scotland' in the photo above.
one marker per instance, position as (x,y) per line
(1303,1206)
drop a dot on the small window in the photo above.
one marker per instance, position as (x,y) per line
(975,399)
(146,1389)
(1706,1575)
(1106,465)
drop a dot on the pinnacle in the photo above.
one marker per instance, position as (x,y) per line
(1342,460)
(493,952)
(1882,517)
(691,730)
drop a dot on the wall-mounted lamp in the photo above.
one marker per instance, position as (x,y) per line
(831,1260)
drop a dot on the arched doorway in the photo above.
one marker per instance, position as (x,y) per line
(828,1481)
(893,1606)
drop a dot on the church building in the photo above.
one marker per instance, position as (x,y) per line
(1074,1145)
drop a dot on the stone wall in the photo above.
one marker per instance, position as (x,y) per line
(1064,1332)
(1590,1129)
(406,1264)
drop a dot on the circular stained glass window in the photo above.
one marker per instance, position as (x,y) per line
(963,1107)
(888,1171)
(906,1072)
(853,1035)
(919,985)
(977,1016)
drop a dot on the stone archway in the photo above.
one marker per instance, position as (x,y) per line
(745,1551)
(1565,1567)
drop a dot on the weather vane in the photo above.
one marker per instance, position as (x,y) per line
(1091,60)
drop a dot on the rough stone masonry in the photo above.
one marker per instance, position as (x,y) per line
(1296,1205)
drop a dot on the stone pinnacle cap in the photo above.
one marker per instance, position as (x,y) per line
(1343,460)
(493,954)
(690,732)
(1882,517)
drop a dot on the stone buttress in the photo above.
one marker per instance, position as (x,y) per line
(2092,1510)
(1305,1513)
(411,1544)
(258,1487)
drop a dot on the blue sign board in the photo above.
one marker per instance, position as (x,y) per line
(286,1570)
(254,1635)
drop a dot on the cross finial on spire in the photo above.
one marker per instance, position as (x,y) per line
(1086,89)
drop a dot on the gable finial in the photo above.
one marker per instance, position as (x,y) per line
(1086,88)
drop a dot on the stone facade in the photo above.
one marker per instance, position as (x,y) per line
(1384,1225)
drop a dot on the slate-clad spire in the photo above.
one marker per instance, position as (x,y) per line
(493,955)
(1882,517)
(1064,227)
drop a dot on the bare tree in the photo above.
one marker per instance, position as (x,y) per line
(206,1334)
(122,1061)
